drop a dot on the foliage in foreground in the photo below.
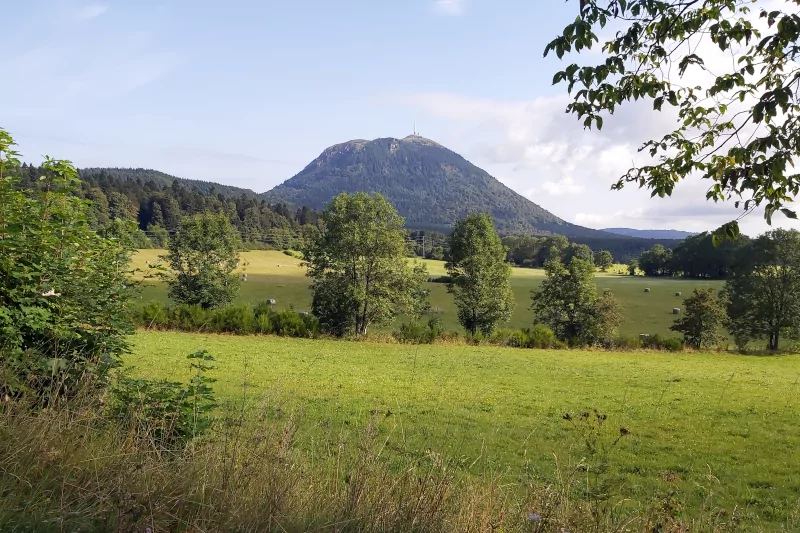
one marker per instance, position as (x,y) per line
(250,475)
(65,290)
(737,127)
(167,413)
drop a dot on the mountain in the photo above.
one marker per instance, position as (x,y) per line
(428,184)
(651,233)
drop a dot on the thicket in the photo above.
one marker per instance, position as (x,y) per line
(260,319)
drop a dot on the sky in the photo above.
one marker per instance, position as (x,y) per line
(248,92)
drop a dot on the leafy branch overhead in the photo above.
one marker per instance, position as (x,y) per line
(739,127)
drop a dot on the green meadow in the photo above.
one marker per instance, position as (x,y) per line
(273,274)
(708,431)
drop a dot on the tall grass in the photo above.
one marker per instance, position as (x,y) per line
(73,468)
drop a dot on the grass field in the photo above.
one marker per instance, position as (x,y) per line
(272,274)
(713,430)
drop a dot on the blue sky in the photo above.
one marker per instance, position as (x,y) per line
(248,92)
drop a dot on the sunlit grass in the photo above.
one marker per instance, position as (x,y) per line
(273,274)
(704,426)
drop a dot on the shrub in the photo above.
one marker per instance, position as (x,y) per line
(441,279)
(287,323)
(165,413)
(415,333)
(263,308)
(65,290)
(540,336)
(238,319)
(264,324)
(504,337)
(628,342)
(153,316)
(188,317)
(657,342)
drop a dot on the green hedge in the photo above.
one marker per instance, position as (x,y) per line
(236,319)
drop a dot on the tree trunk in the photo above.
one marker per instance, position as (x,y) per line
(774,339)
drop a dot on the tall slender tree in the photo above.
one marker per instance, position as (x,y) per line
(479,274)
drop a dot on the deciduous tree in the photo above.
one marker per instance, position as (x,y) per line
(578,251)
(603,260)
(703,317)
(728,69)
(202,256)
(480,275)
(568,303)
(763,289)
(359,269)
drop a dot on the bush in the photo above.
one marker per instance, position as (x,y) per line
(241,320)
(657,342)
(287,323)
(238,319)
(263,308)
(440,279)
(65,290)
(416,333)
(540,336)
(263,325)
(153,316)
(187,317)
(626,343)
(293,253)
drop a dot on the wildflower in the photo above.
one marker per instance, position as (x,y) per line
(51,292)
(533,517)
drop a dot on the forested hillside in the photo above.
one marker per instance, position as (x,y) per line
(155,202)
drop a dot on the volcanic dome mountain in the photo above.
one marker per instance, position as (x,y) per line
(428,184)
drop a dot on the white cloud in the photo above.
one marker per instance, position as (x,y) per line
(451,8)
(564,186)
(547,156)
(90,11)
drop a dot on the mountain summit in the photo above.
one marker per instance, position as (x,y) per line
(428,184)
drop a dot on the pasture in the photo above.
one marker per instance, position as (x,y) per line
(273,274)
(713,431)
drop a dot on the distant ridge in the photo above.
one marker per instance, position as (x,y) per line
(430,185)
(163,180)
(651,233)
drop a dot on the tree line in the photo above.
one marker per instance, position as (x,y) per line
(697,257)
